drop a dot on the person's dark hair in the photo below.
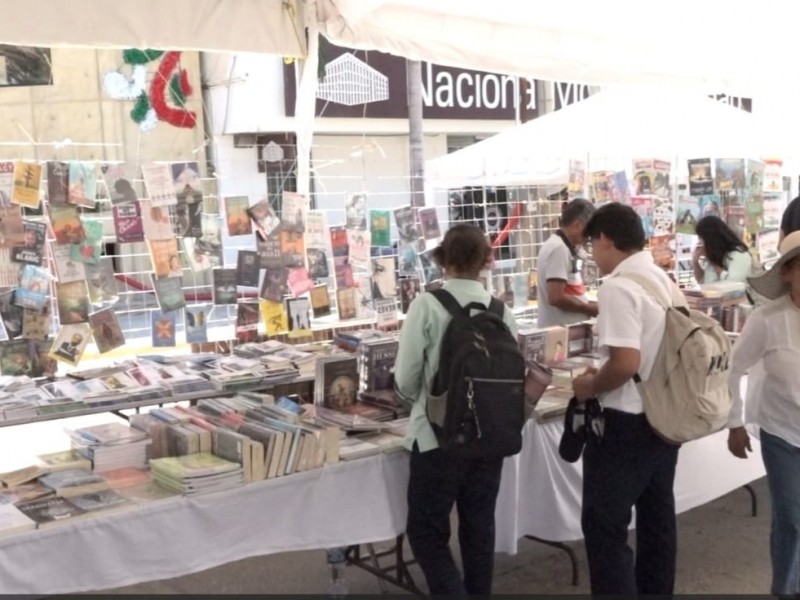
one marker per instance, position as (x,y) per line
(578,209)
(464,250)
(790,221)
(619,223)
(718,239)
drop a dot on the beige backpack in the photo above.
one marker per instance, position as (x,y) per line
(686,395)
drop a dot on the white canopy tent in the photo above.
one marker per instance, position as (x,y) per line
(608,130)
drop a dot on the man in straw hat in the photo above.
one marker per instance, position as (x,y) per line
(771,340)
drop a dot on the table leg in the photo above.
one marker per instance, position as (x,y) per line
(396,573)
(753,499)
(564,548)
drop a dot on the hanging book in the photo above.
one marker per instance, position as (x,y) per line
(661,185)
(339,245)
(294,207)
(269,251)
(365,308)
(754,214)
(11,314)
(73,302)
(773,210)
(274,316)
(236,216)
(700,180)
(264,218)
(662,247)
(15,358)
(224,286)
(187,216)
(430,270)
(407,259)
(67,269)
(198,260)
(128,226)
(297,310)
(102,282)
(169,293)
(57,182)
(406,220)
(600,188)
(292,248)
(36,325)
(248,268)
(32,251)
(386,311)
(275,287)
(320,301)
(710,206)
(344,272)
(643,205)
(82,183)
(409,289)
(196,323)
(6,182)
(316,232)
(755,177)
(119,180)
(358,247)
(67,224)
(34,288)
(27,177)
(735,217)
(346,303)
(688,212)
(158,184)
(155,221)
(767,246)
(576,182)
(429,222)
(70,343)
(186,182)
(246,322)
(164,257)
(163,327)
(384,280)
(730,174)
(12,227)
(379,227)
(298,280)
(644,174)
(91,247)
(317,263)
(663,216)
(355,208)
(106,330)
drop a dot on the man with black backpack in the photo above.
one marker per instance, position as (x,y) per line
(459,364)
(625,462)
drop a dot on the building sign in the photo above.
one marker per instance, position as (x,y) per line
(372,84)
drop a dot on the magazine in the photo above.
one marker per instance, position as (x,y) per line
(356,211)
(128,225)
(31,252)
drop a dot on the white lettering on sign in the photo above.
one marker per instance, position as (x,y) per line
(479,90)
(569,93)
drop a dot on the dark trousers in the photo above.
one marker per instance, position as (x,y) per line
(630,466)
(437,481)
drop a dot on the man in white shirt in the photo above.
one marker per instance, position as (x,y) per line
(626,465)
(562,295)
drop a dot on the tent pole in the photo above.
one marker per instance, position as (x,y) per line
(306,101)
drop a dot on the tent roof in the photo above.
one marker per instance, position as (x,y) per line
(609,129)
(270,26)
(732,47)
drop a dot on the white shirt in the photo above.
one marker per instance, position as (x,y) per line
(629,317)
(556,262)
(770,340)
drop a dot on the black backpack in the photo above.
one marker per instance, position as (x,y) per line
(476,404)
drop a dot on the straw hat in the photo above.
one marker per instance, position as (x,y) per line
(770,285)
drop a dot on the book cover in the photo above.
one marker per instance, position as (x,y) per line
(91,248)
(410,288)
(406,220)
(767,246)
(316,230)
(429,222)
(32,251)
(294,207)
(663,216)
(730,174)
(384,280)
(120,182)
(248,268)
(365,306)
(67,224)
(196,323)
(11,314)
(187,215)
(618,188)
(644,175)
(577,177)
(533,285)
(688,214)
(236,216)
(12,227)
(555,345)
(407,259)
(49,510)
(643,205)
(339,244)
(292,248)
(16,358)
(264,218)
(700,180)
(82,183)
(101,500)
(27,177)
(579,339)
(155,221)
(247,322)
(600,188)
(320,301)
(36,325)
(158,184)
(106,330)
(344,272)
(34,288)
(67,269)
(169,292)
(358,247)
(379,359)
(73,302)
(186,181)
(224,286)
(662,247)
(269,250)
(710,206)
(430,270)
(386,313)
(6,183)
(337,380)
(128,226)
(275,286)
(379,227)
(274,316)
(735,217)
(162,328)
(298,281)
(755,177)
(355,209)
(661,185)
(164,258)
(773,206)
(9,270)
(297,310)
(346,303)
(199,261)
(317,263)
(772,176)
(57,182)
(70,342)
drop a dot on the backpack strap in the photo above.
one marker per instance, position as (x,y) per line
(672,299)
(456,310)
(497,307)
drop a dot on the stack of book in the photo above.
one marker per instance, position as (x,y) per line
(74,482)
(111,446)
(48,511)
(196,473)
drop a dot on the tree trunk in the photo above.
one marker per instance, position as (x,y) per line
(415,145)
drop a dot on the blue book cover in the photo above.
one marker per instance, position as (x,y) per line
(163,328)
(196,323)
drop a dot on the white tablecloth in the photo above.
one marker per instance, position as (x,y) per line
(540,494)
(355,502)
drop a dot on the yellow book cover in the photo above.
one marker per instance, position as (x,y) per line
(27,177)
(274,316)
(165,258)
